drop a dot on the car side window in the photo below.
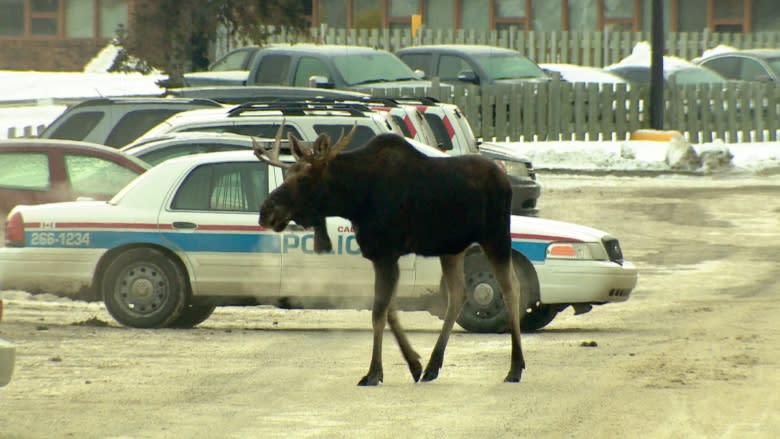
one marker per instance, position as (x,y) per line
(232,61)
(419,61)
(233,187)
(21,170)
(362,135)
(257,130)
(78,126)
(96,175)
(272,70)
(440,131)
(308,67)
(752,70)
(728,67)
(135,123)
(450,66)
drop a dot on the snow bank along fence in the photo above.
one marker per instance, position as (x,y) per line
(558,110)
(590,48)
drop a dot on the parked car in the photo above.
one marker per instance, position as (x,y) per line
(117,121)
(184,238)
(675,70)
(242,94)
(745,65)
(159,149)
(322,65)
(574,73)
(472,64)
(307,119)
(7,361)
(35,171)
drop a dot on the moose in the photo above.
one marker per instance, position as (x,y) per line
(401,201)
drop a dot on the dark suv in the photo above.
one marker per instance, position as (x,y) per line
(117,121)
(472,64)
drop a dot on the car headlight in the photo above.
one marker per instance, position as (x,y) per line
(518,169)
(576,251)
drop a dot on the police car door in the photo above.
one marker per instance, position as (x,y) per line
(213,220)
(342,277)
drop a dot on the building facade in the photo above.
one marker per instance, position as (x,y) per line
(65,34)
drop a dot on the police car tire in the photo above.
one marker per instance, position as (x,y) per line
(487,316)
(153,268)
(192,315)
(538,317)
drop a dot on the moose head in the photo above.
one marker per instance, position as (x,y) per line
(301,196)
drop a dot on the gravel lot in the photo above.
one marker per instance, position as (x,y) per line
(695,353)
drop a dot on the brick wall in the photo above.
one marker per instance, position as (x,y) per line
(48,55)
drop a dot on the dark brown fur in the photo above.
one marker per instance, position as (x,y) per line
(401,201)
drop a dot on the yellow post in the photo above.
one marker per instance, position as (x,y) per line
(416,23)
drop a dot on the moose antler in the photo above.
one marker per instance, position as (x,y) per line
(342,142)
(271,156)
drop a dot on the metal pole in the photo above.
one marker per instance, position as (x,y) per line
(656,67)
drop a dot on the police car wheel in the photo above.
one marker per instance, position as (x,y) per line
(537,317)
(484,310)
(143,288)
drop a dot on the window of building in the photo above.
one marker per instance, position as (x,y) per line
(474,15)
(366,14)
(440,14)
(512,13)
(729,15)
(333,13)
(619,15)
(62,19)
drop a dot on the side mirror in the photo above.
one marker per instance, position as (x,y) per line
(419,74)
(319,81)
(468,76)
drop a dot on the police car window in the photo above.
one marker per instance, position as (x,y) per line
(362,135)
(95,175)
(234,187)
(23,170)
(404,128)
(443,139)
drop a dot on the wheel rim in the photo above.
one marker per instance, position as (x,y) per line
(142,289)
(484,299)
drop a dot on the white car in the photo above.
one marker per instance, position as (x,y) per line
(184,237)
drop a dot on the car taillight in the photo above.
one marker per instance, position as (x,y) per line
(14,230)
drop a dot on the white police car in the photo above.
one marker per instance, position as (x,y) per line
(184,237)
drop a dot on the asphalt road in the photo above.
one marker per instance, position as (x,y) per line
(695,352)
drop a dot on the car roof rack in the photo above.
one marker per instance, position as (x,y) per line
(299,107)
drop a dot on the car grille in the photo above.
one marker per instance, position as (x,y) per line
(613,249)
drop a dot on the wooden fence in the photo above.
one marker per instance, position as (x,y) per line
(589,48)
(558,110)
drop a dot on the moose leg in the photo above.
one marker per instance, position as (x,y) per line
(452,269)
(510,288)
(385,279)
(411,357)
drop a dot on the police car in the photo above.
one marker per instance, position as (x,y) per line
(184,237)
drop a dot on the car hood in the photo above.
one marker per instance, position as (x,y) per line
(527,227)
(501,152)
(396,84)
(511,81)
(228,77)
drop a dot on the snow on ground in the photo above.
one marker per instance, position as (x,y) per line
(40,89)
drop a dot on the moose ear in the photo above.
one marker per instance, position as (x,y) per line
(321,145)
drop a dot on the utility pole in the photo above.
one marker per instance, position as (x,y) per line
(656,67)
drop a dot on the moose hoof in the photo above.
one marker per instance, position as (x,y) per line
(416,369)
(513,377)
(430,375)
(372,379)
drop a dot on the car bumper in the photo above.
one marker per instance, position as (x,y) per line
(568,282)
(525,193)
(66,272)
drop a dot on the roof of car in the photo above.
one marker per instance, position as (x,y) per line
(327,49)
(758,53)
(189,136)
(463,48)
(38,143)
